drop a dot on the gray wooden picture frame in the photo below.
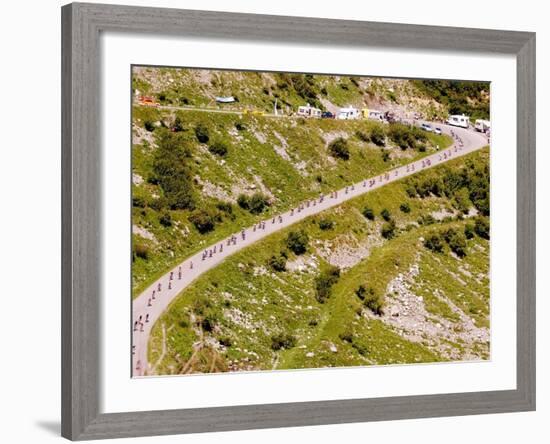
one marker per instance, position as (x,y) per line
(81,230)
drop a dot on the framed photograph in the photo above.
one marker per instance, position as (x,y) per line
(278,221)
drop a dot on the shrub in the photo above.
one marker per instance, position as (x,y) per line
(138,202)
(141,251)
(405,136)
(457,243)
(282,341)
(361,348)
(209,322)
(388,230)
(226,341)
(218,148)
(370,299)
(339,148)
(469,231)
(426,220)
(405,207)
(202,220)
(326,224)
(202,133)
(434,243)
(362,136)
(482,227)
(386,215)
(165,220)
(297,242)
(346,336)
(149,125)
(368,213)
(226,207)
(277,263)
(378,136)
(324,283)
(255,204)
(171,170)
(240,126)
(385,155)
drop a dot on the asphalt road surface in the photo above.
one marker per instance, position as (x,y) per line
(149,305)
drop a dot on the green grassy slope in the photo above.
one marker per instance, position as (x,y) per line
(287,160)
(229,318)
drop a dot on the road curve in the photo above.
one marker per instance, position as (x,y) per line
(149,305)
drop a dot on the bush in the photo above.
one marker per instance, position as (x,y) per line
(202,133)
(370,299)
(240,126)
(339,148)
(203,221)
(171,170)
(282,341)
(138,202)
(405,207)
(209,322)
(386,215)
(362,136)
(277,263)
(226,207)
(141,251)
(324,283)
(255,204)
(482,227)
(165,220)
(297,242)
(385,155)
(149,125)
(378,136)
(218,148)
(368,213)
(469,231)
(405,136)
(388,230)
(434,243)
(346,336)
(326,224)
(226,341)
(457,243)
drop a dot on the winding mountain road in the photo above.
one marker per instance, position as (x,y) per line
(149,305)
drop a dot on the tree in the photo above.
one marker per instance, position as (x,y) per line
(386,215)
(339,148)
(297,242)
(165,220)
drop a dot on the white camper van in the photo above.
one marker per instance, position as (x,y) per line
(348,113)
(462,121)
(483,126)
(308,111)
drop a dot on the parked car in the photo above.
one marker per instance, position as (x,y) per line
(437,131)
(426,127)
(327,115)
